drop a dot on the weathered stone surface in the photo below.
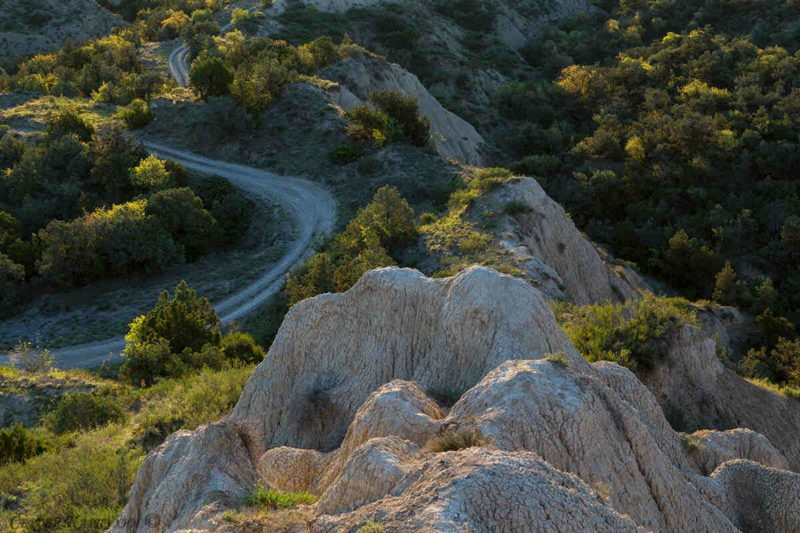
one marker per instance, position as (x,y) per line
(692,379)
(711,448)
(341,407)
(562,262)
(487,490)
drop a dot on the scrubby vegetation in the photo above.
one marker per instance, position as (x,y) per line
(276,499)
(79,479)
(456,439)
(632,334)
(383,228)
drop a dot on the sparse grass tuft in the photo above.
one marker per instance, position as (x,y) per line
(456,439)
(276,499)
(558,358)
(371,526)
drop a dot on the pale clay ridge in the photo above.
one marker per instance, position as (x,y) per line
(311,207)
(553,253)
(339,407)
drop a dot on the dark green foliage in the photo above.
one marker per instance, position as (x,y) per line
(395,117)
(184,320)
(68,122)
(779,365)
(180,213)
(12,288)
(405,110)
(82,411)
(346,153)
(209,76)
(18,444)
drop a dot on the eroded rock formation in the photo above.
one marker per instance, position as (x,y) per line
(343,406)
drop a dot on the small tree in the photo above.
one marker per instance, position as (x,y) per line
(727,287)
(151,174)
(209,76)
(29,359)
(184,321)
(405,110)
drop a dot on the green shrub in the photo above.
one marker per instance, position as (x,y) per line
(82,411)
(631,335)
(456,439)
(29,359)
(178,334)
(346,153)
(515,207)
(136,114)
(18,444)
(276,499)
(405,110)
(242,347)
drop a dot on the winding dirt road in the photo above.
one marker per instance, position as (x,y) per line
(311,207)
(179,64)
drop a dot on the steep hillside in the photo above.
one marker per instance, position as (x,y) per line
(34,26)
(362,430)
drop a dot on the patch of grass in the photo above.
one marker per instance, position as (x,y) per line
(276,499)
(82,479)
(515,207)
(786,391)
(558,358)
(692,443)
(370,526)
(456,439)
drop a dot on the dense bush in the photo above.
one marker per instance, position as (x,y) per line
(394,117)
(136,114)
(632,335)
(18,444)
(181,334)
(81,411)
(209,76)
(238,346)
(780,365)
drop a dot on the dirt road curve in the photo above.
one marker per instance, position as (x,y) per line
(311,207)
(179,65)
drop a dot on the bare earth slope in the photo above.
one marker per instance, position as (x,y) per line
(342,406)
(38,26)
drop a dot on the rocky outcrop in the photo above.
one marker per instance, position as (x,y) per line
(553,253)
(343,406)
(55,23)
(455,138)
(692,380)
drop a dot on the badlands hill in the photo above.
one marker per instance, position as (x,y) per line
(344,404)
(34,26)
